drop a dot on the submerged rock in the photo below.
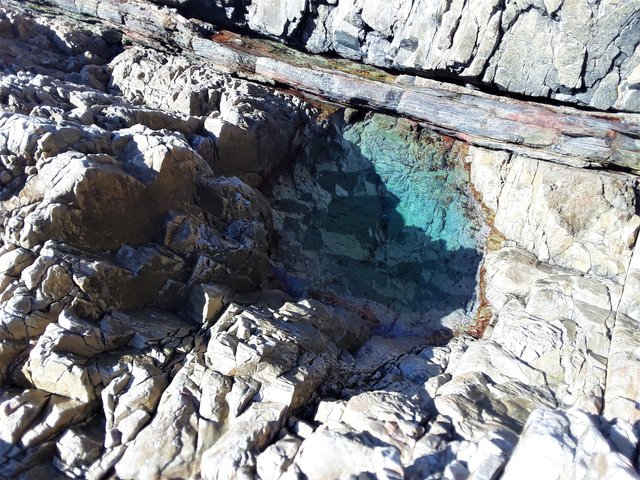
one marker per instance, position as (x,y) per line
(379,212)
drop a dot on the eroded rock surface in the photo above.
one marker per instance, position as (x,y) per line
(202,276)
(571,50)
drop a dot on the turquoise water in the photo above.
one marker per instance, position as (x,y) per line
(423,172)
(379,212)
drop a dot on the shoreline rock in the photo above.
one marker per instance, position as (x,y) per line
(145,331)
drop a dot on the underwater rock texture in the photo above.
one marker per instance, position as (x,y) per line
(203,276)
(380,211)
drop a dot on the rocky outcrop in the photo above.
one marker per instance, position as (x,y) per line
(573,51)
(205,276)
(545,132)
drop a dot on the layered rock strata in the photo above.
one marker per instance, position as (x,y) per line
(570,50)
(557,134)
(148,324)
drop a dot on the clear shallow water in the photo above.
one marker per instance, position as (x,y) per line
(379,212)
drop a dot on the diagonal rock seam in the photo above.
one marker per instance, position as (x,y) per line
(559,134)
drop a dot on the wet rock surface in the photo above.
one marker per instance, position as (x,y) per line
(380,212)
(202,276)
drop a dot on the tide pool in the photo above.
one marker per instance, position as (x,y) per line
(379,212)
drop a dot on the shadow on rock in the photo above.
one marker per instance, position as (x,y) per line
(378,213)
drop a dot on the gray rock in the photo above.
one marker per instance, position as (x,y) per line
(488,43)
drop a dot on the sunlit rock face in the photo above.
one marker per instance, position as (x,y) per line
(378,212)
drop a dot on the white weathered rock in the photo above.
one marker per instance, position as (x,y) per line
(557,444)
(19,411)
(485,42)
(272,463)
(111,203)
(129,402)
(544,314)
(573,218)
(276,18)
(184,88)
(76,450)
(390,417)
(58,415)
(31,417)
(624,357)
(13,262)
(208,301)
(176,418)
(57,283)
(488,169)
(492,392)
(349,454)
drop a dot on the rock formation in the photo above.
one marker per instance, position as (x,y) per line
(570,50)
(222,257)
